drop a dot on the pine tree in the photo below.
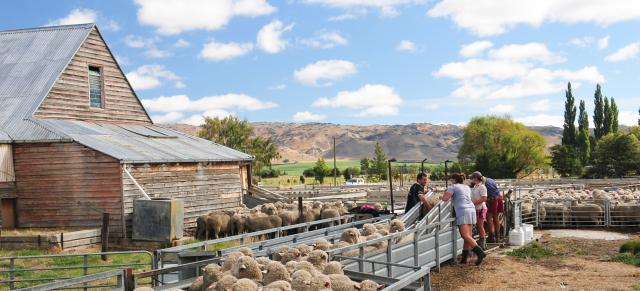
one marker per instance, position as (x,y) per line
(614,116)
(569,128)
(598,113)
(380,161)
(608,118)
(583,142)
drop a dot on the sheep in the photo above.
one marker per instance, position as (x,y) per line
(217,225)
(320,282)
(341,282)
(330,212)
(350,205)
(306,266)
(277,255)
(246,267)
(246,251)
(201,227)
(143,289)
(237,223)
(289,218)
(333,268)
(261,221)
(318,258)
(197,284)
(279,286)
(396,225)
(368,229)
(301,280)
(342,244)
(378,206)
(382,232)
(291,266)
(224,284)
(245,285)
(351,235)
(211,274)
(379,245)
(308,214)
(292,254)
(275,271)
(232,258)
(321,244)
(368,285)
(587,214)
(263,261)
(304,249)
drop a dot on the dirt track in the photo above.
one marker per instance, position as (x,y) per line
(586,265)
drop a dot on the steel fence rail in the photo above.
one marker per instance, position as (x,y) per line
(118,274)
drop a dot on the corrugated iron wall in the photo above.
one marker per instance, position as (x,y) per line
(6,164)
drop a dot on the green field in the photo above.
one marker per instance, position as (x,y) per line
(296,169)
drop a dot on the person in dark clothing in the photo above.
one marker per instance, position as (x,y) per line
(416,194)
(494,209)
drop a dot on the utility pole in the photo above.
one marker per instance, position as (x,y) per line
(335,176)
(446,174)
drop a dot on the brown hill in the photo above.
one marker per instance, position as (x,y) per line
(308,141)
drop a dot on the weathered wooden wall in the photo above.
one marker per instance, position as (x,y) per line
(52,178)
(203,187)
(69,97)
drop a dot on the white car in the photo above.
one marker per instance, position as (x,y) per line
(354,181)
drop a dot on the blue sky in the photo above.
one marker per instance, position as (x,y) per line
(362,61)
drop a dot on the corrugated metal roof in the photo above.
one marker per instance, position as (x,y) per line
(30,62)
(143,143)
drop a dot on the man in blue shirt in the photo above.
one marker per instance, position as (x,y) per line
(494,208)
(416,194)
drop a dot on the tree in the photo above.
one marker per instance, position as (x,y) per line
(614,116)
(583,139)
(379,161)
(365,166)
(236,134)
(565,160)
(569,128)
(608,118)
(598,113)
(618,154)
(350,172)
(321,170)
(501,147)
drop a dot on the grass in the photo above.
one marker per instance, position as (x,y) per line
(534,251)
(636,287)
(296,169)
(632,247)
(628,259)
(23,265)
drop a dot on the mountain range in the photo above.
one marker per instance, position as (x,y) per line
(307,141)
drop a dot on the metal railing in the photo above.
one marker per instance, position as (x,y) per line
(16,269)
(84,280)
(586,213)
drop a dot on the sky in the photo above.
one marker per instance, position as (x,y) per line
(362,61)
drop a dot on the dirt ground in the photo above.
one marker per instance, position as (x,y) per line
(586,265)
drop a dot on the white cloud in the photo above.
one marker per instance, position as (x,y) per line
(540,105)
(432,106)
(169,117)
(76,16)
(177,16)
(278,87)
(326,71)
(150,76)
(180,85)
(156,53)
(370,100)
(406,46)
(325,40)
(198,119)
(269,37)
(603,43)
(475,48)
(216,51)
(513,71)
(542,120)
(628,52)
(628,117)
(111,25)
(135,41)
(526,52)
(122,60)
(306,116)
(180,103)
(497,16)
(182,43)
(582,42)
(387,8)
(502,108)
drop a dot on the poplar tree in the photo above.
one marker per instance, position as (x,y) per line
(583,142)
(614,116)
(569,128)
(598,113)
(608,118)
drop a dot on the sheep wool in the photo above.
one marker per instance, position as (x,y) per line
(304,249)
(279,286)
(246,251)
(232,258)
(143,289)
(245,285)
(368,285)
(275,271)
(368,229)
(318,258)
(320,282)
(291,266)
(333,268)
(343,283)
(306,266)
(301,280)
(248,268)
(351,236)
(225,283)
(197,284)
(211,274)
(396,225)
(321,244)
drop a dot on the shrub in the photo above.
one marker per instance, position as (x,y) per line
(632,246)
(533,251)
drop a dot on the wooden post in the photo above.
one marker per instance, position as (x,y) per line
(300,216)
(104,235)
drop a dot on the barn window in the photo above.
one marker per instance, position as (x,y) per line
(95,87)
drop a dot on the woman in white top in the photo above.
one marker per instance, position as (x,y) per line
(478,197)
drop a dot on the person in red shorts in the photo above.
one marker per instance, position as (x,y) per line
(479,197)
(495,208)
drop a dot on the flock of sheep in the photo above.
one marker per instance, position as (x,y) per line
(569,207)
(303,267)
(236,221)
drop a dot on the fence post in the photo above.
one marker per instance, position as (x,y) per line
(437,242)
(11,274)
(537,208)
(104,235)
(454,244)
(607,213)
(129,282)
(85,269)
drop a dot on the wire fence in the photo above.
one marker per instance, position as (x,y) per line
(586,213)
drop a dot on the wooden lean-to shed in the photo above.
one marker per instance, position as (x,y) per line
(75,140)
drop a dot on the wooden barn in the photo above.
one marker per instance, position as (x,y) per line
(75,140)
